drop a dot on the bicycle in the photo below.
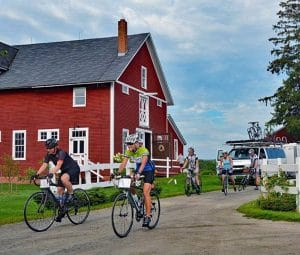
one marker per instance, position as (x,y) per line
(42,207)
(125,204)
(255,131)
(245,180)
(190,183)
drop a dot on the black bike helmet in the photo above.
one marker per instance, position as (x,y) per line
(50,143)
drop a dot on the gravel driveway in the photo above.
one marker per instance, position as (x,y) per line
(205,224)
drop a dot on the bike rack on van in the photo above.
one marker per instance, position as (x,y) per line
(252,143)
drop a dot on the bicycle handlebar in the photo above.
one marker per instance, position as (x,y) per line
(37,177)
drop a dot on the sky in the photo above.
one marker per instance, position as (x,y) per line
(214,54)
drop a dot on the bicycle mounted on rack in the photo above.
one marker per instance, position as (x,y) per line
(125,203)
(42,208)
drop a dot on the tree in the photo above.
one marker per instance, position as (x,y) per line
(286,100)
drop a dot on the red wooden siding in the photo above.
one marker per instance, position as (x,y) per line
(127,106)
(51,108)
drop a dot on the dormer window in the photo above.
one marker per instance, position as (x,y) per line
(144,77)
(159,103)
(125,89)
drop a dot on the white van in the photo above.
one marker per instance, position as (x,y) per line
(239,153)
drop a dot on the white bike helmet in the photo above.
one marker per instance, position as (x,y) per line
(131,139)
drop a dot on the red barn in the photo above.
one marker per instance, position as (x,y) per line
(89,94)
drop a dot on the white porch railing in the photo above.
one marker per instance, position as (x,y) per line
(293,168)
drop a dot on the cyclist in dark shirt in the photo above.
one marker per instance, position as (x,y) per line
(69,168)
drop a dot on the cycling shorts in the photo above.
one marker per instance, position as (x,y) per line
(230,172)
(74,177)
(149,176)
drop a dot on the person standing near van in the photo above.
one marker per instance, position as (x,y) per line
(226,166)
(255,166)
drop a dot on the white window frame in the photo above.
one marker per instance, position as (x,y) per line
(14,144)
(48,134)
(125,89)
(76,96)
(159,103)
(125,133)
(175,148)
(144,77)
(144,111)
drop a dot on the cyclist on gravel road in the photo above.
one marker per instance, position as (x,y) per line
(140,155)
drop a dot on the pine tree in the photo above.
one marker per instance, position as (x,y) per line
(286,100)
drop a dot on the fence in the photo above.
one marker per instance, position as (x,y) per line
(271,169)
(166,167)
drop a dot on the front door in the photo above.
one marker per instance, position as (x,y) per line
(78,144)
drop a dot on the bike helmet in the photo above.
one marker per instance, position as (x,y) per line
(131,139)
(50,143)
(251,151)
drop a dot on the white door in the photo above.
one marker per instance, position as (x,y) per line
(78,143)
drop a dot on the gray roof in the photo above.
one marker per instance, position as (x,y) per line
(69,62)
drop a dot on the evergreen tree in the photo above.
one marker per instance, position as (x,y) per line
(286,100)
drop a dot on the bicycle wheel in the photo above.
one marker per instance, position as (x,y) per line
(122,215)
(188,186)
(40,211)
(225,186)
(155,210)
(78,210)
(242,184)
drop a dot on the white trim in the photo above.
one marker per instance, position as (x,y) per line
(48,135)
(143,77)
(14,144)
(175,148)
(86,140)
(144,112)
(74,96)
(140,91)
(125,89)
(112,122)
(0,136)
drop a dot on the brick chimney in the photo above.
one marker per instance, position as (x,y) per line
(122,37)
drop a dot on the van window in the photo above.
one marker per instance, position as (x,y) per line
(262,154)
(241,153)
(275,153)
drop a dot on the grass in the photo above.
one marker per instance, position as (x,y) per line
(252,210)
(12,203)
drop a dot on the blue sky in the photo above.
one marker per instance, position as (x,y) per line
(214,53)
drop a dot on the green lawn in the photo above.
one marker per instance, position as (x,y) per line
(252,210)
(12,204)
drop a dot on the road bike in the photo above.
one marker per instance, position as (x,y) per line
(190,185)
(246,179)
(126,206)
(42,208)
(255,131)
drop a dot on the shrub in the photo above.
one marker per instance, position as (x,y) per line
(277,202)
(97,196)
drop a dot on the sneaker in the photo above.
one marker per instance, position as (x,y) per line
(60,215)
(146,221)
(234,189)
(223,190)
(256,188)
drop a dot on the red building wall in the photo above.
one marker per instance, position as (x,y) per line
(51,108)
(127,106)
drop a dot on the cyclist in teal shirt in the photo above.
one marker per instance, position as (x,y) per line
(140,155)
(226,165)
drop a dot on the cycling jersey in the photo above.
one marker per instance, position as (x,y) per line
(226,164)
(136,157)
(192,160)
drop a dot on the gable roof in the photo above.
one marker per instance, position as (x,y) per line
(175,128)
(75,62)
